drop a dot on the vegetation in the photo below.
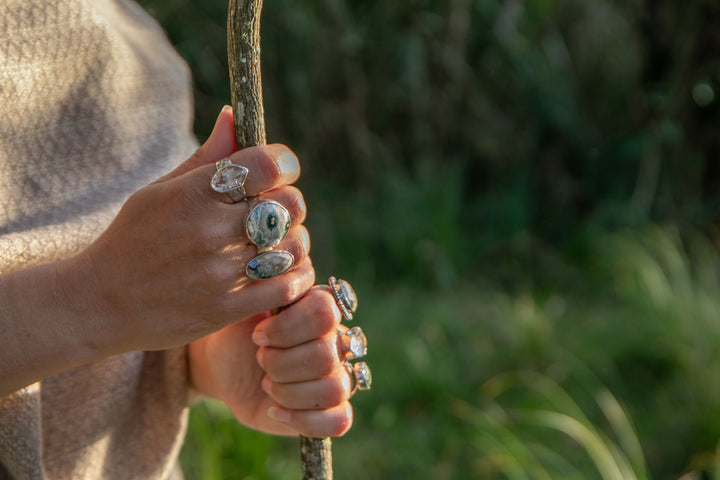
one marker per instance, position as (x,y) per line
(525,195)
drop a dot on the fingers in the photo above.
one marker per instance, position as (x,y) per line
(309,361)
(313,316)
(228,225)
(269,167)
(330,422)
(260,296)
(322,393)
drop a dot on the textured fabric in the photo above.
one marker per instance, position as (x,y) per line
(94,104)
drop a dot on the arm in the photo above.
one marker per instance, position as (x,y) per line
(47,323)
(166,271)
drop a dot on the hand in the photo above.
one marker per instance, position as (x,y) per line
(281,374)
(170,268)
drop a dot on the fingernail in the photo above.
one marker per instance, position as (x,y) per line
(260,339)
(227,108)
(279,414)
(288,164)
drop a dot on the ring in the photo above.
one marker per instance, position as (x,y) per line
(269,265)
(230,178)
(354,342)
(267,224)
(345,297)
(361,374)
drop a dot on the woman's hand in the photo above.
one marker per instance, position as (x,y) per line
(169,269)
(281,374)
(171,266)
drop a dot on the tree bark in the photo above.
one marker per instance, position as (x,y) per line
(316,455)
(245,79)
(249,120)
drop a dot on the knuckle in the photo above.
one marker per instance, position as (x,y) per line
(287,292)
(268,168)
(296,201)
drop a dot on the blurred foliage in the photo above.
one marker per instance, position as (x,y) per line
(490,175)
(476,131)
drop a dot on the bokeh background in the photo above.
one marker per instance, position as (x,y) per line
(525,194)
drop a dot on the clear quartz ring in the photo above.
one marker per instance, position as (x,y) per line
(361,374)
(354,342)
(345,297)
(230,178)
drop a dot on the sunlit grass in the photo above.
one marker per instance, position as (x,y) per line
(611,376)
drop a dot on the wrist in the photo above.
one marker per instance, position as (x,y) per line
(92,320)
(50,323)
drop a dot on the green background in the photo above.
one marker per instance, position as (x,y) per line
(525,196)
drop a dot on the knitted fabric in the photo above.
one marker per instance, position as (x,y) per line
(94,104)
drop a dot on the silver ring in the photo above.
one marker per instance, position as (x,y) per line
(269,265)
(345,297)
(354,342)
(267,224)
(230,178)
(361,375)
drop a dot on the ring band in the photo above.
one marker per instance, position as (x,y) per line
(354,342)
(230,178)
(361,375)
(345,297)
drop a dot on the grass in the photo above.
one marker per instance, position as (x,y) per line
(476,383)
(524,194)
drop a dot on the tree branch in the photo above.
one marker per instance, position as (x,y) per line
(249,120)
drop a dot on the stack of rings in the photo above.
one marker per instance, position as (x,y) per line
(267,223)
(353,340)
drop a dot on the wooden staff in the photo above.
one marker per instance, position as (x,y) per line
(249,119)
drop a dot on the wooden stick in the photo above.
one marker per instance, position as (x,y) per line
(249,120)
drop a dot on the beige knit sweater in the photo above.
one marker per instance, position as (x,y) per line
(94,104)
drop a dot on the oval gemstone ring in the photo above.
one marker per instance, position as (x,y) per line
(267,224)
(345,297)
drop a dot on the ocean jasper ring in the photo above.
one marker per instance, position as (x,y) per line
(230,178)
(267,224)
(345,297)
(269,265)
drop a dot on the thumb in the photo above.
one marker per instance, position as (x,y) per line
(220,144)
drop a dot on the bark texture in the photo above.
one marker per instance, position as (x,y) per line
(245,79)
(316,454)
(249,120)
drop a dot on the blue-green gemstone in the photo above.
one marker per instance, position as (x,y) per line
(269,265)
(267,224)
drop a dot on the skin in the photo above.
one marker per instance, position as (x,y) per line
(168,276)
